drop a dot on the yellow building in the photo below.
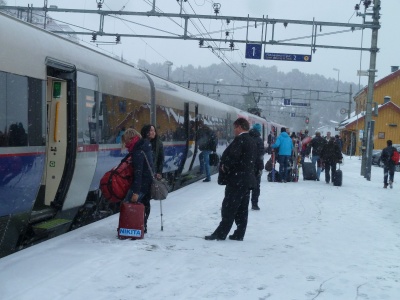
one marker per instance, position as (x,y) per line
(387,123)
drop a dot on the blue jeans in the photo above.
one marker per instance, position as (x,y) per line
(204,158)
(283,166)
(314,160)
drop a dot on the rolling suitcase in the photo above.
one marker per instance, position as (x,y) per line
(309,172)
(338,178)
(131,221)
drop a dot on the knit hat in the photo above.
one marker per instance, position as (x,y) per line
(257,127)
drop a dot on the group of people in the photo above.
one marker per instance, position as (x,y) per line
(325,152)
(240,167)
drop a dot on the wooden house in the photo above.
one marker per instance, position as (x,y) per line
(387,122)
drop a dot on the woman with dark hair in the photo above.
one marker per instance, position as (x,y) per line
(149,133)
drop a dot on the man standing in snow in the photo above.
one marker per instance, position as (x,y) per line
(285,144)
(317,144)
(389,165)
(237,172)
(255,133)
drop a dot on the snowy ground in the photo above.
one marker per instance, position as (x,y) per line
(310,240)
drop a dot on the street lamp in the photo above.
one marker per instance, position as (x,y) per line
(169,64)
(338,72)
(244,65)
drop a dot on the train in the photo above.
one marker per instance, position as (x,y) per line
(62,109)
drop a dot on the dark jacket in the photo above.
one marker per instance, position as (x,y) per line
(206,139)
(238,162)
(386,156)
(259,165)
(142,176)
(317,144)
(331,153)
(157,148)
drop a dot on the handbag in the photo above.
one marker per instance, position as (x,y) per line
(214,159)
(159,187)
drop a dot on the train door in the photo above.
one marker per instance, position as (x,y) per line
(56,143)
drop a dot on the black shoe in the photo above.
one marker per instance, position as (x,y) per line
(255,207)
(212,237)
(235,238)
(207,180)
(145,229)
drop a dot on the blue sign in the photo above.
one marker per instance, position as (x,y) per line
(287,57)
(286,101)
(130,232)
(300,104)
(253,51)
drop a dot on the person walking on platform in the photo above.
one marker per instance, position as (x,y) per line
(237,172)
(331,155)
(317,144)
(285,144)
(207,143)
(389,164)
(255,133)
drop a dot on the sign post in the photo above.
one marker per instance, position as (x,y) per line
(287,57)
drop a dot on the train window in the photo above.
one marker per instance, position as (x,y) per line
(20,95)
(86,120)
(119,113)
(170,123)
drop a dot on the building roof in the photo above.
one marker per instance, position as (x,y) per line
(353,117)
(379,82)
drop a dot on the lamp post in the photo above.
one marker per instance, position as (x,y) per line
(338,73)
(169,64)
(244,65)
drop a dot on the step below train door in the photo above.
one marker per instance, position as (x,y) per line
(56,149)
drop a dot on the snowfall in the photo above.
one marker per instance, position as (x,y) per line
(310,240)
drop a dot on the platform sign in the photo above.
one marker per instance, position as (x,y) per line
(300,104)
(287,57)
(253,51)
(286,101)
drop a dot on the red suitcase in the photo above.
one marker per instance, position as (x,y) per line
(131,221)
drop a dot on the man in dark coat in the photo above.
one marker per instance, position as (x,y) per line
(317,144)
(331,155)
(255,133)
(389,165)
(237,172)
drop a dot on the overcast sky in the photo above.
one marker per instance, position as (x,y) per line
(182,53)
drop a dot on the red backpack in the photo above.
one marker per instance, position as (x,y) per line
(115,184)
(395,156)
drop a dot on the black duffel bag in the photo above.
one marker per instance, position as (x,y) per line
(214,159)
